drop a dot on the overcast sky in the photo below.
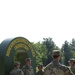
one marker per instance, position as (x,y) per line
(38,19)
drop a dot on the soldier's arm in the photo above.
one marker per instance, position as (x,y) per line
(68,72)
(73,69)
(21,72)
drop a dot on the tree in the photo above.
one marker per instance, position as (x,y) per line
(66,49)
(72,44)
(40,52)
(72,47)
(50,46)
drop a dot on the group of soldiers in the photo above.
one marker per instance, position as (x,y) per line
(27,69)
(53,68)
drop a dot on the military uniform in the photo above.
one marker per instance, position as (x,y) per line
(28,70)
(16,70)
(73,69)
(55,68)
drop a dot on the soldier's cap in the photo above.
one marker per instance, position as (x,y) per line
(56,52)
(40,65)
(72,60)
(27,59)
(16,63)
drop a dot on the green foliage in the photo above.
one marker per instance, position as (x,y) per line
(44,51)
(50,46)
(40,52)
(68,50)
(72,48)
(45,48)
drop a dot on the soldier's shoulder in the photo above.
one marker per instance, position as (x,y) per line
(20,72)
(13,71)
(48,66)
(24,67)
(31,67)
(64,68)
(19,69)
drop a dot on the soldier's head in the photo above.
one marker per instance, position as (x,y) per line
(28,61)
(16,64)
(56,54)
(71,61)
(40,67)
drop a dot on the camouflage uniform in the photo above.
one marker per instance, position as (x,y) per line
(55,68)
(73,69)
(28,70)
(16,70)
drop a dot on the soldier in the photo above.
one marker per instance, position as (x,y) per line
(40,72)
(27,68)
(55,68)
(16,70)
(72,64)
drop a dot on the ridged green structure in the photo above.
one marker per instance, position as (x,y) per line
(12,47)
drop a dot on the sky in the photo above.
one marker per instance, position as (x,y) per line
(38,19)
